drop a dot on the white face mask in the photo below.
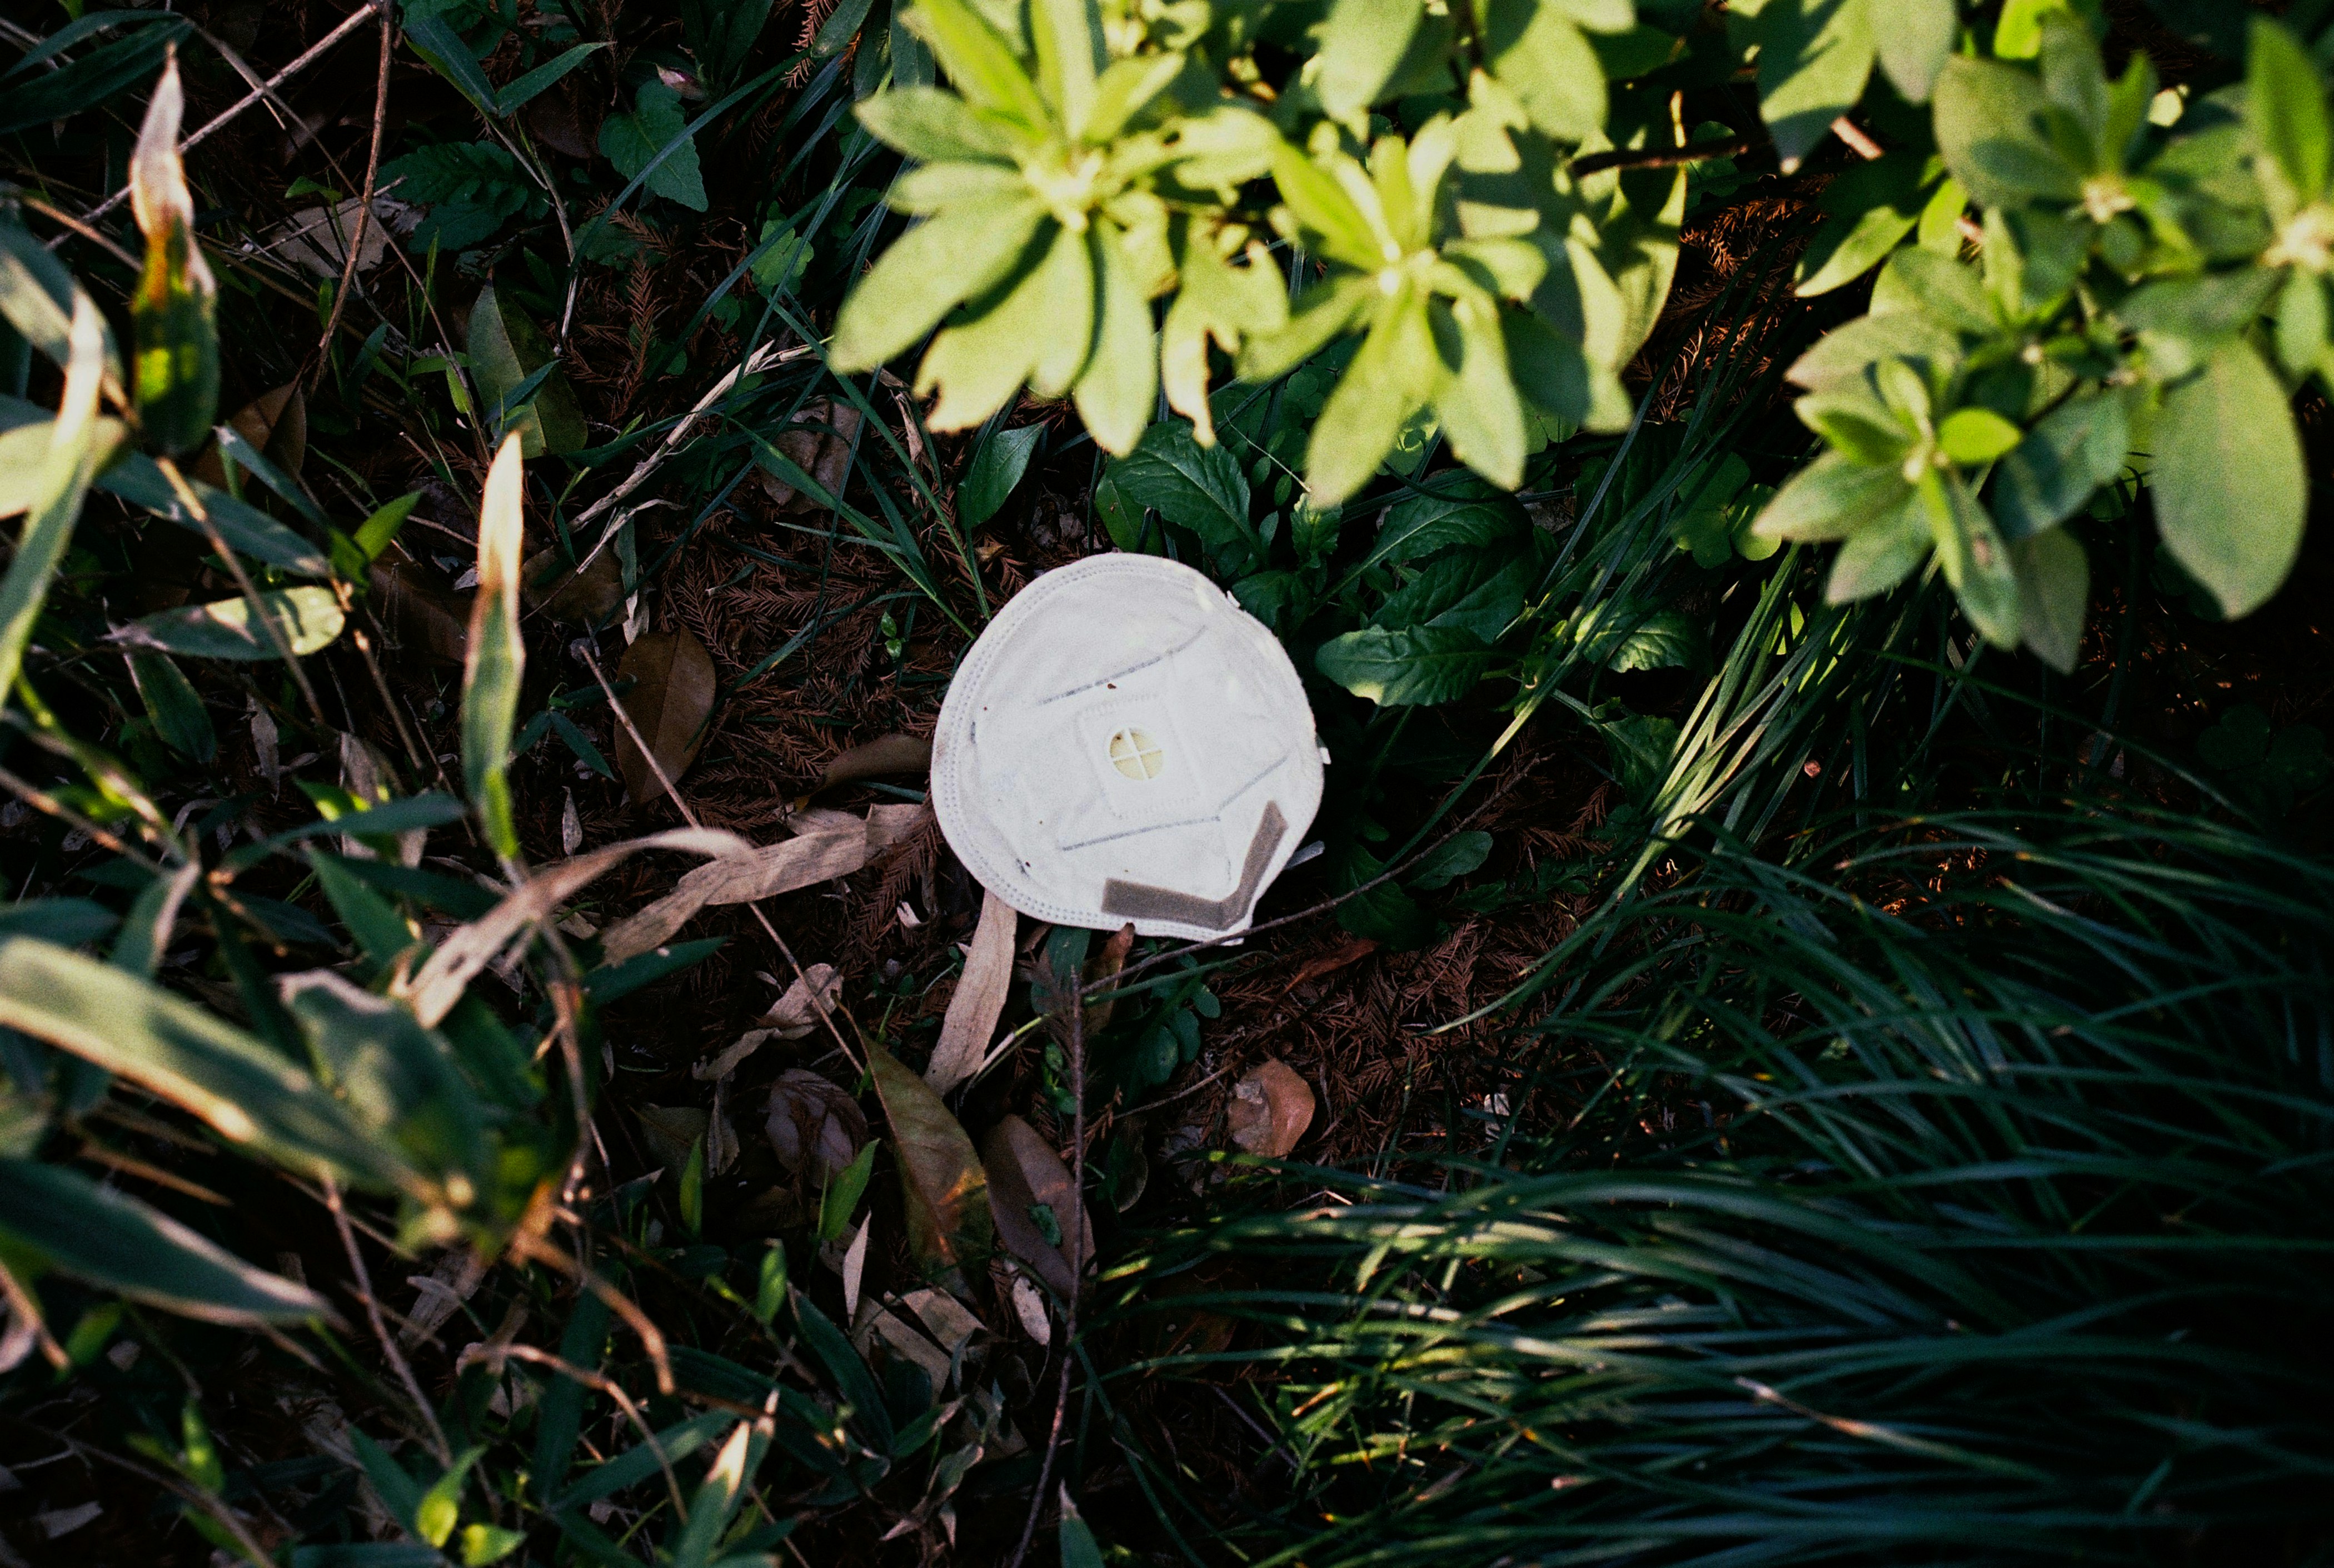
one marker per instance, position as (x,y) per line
(1125,742)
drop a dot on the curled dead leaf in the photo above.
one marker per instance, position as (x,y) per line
(422,619)
(671,698)
(978,999)
(1102,971)
(881,757)
(943,1186)
(1027,1182)
(815,1128)
(761,873)
(796,1014)
(818,442)
(318,237)
(1270,1109)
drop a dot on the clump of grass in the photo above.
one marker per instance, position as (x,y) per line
(1960,1191)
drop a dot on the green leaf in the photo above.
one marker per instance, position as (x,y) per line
(858,1387)
(113,1241)
(1412,666)
(373,535)
(1385,914)
(36,296)
(1079,1548)
(520,379)
(936,125)
(718,1497)
(441,1507)
(2054,594)
(996,466)
(1191,486)
(1067,34)
(1394,373)
(2060,464)
(178,714)
(2229,486)
(78,446)
(483,1545)
(1882,553)
(174,338)
(245,1091)
(1119,388)
(90,80)
(929,270)
(1975,436)
(1038,327)
(1449,509)
(840,1200)
(495,658)
(395,1078)
(1832,498)
(1539,55)
(980,63)
(1641,749)
(1623,637)
(1476,403)
(1481,591)
(434,39)
(525,88)
(1987,116)
(1361,44)
(1867,212)
(652,141)
(1975,560)
(309,619)
(1813,58)
(1326,216)
(2285,104)
(560,1412)
(1322,313)
(1451,859)
(139,480)
(1913,39)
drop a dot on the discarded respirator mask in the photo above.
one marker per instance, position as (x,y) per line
(1126,744)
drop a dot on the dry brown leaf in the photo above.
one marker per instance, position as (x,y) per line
(943,1190)
(1029,1306)
(1024,1171)
(882,757)
(888,825)
(422,619)
(1270,1109)
(854,1268)
(670,699)
(944,1318)
(978,999)
(903,1341)
(583,598)
(761,873)
(818,442)
(813,1126)
(471,947)
(275,423)
(720,1137)
(1101,970)
(317,237)
(796,1014)
(1347,951)
(720,1066)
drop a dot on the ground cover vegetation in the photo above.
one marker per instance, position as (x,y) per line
(1804,1038)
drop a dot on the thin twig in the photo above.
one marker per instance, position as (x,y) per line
(1070,1003)
(397,1360)
(43,801)
(673,792)
(267,89)
(364,207)
(95,236)
(1662,157)
(652,1338)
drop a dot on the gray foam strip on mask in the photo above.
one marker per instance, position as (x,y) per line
(1142,902)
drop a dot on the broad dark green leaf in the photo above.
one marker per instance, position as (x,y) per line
(2054,594)
(941,1185)
(518,374)
(113,1241)
(1627,637)
(171,702)
(1641,747)
(397,1079)
(2285,104)
(1832,498)
(996,466)
(68,923)
(653,141)
(1361,44)
(137,479)
(1191,486)
(92,80)
(1414,666)
(1913,39)
(1449,860)
(1867,211)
